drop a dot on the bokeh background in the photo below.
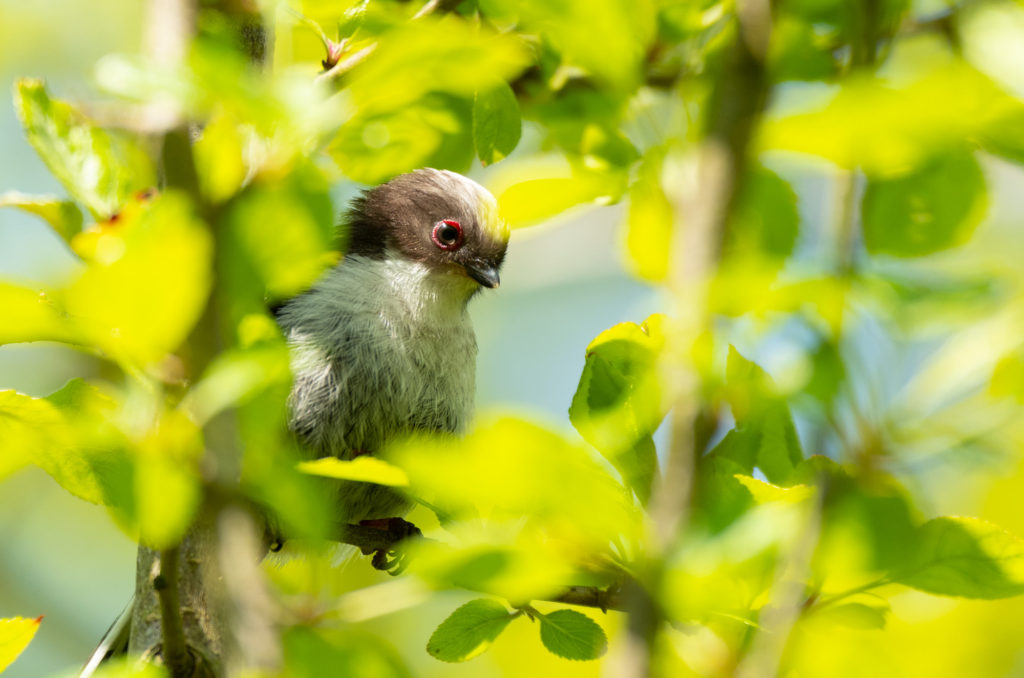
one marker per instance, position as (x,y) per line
(564,282)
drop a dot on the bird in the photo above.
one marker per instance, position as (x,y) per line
(382,345)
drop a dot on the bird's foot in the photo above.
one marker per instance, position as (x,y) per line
(392,560)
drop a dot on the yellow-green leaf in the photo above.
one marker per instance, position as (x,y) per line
(63,215)
(650,215)
(363,469)
(99,169)
(147,284)
(32,315)
(619,401)
(15,635)
(968,557)
(469,630)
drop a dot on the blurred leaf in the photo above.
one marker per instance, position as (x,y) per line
(883,129)
(765,436)
(496,123)
(536,200)
(619,401)
(469,630)
(1008,377)
(509,468)
(1005,137)
(362,469)
(31,315)
(97,168)
(828,373)
(609,44)
(237,375)
(766,492)
(312,653)
(285,232)
(853,616)
(572,635)
(869,525)
(62,434)
(801,51)
(966,557)
(720,497)
(63,215)
(432,55)
(650,220)
(933,208)
(435,131)
(220,158)
(147,284)
(128,667)
(15,635)
(166,484)
(502,557)
(765,222)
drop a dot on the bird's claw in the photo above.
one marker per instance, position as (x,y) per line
(392,560)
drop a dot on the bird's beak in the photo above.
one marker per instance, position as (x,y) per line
(483,273)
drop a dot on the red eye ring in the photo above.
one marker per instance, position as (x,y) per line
(447,234)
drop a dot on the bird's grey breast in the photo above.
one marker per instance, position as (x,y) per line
(379,349)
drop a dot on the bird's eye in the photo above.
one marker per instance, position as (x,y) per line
(447,234)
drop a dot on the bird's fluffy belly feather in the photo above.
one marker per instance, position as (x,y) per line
(380,348)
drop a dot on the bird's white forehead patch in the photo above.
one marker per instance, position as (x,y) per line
(482,202)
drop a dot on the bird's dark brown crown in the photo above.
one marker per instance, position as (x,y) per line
(400,218)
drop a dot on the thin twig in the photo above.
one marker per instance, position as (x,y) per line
(372,539)
(174,650)
(347,64)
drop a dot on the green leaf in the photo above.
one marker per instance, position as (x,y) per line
(618,403)
(968,557)
(59,434)
(32,315)
(765,436)
(933,208)
(362,469)
(572,635)
(497,125)
(435,131)
(285,232)
(63,215)
(97,168)
(720,497)
(766,221)
(15,635)
(469,630)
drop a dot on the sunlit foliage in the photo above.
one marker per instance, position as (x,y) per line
(861,348)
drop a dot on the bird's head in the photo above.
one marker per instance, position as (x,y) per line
(438,218)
